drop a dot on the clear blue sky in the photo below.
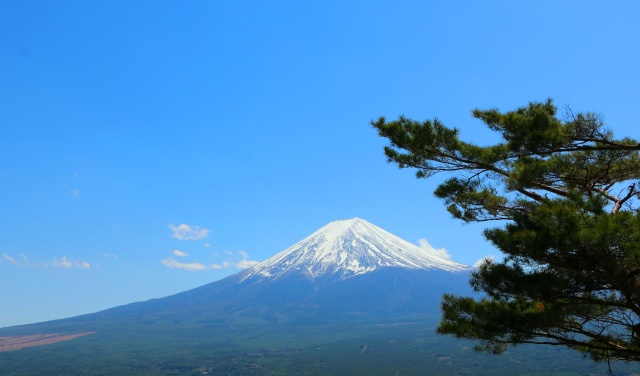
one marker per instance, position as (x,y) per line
(242,127)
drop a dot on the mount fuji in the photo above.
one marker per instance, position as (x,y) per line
(348,280)
(348,248)
(350,299)
(348,269)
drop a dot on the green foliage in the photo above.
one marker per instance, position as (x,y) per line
(404,346)
(566,192)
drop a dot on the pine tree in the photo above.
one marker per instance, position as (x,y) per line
(564,193)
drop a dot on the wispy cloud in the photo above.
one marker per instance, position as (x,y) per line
(110,255)
(186,232)
(440,252)
(488,258)
(243,263)
(21,260)
(62,262)
(238,260)
(222,265)
(68,264)
(9,259)
(192,267)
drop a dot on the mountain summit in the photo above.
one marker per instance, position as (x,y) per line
(348,248)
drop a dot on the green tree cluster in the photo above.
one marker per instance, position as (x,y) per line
(565,194)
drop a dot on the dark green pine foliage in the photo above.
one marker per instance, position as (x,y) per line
(565,193)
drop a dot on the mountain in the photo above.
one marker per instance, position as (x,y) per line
(347,248)
(350,299)
(347,280)
(348,269)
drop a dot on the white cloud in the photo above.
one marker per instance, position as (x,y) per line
(186,232)
(440,252)
(10,259)
(245,262)
(75,193)
(68,264)
(193,267)
(488,258)
(109,255)
(179,253)
(225,264)
(241,264)
(62,262)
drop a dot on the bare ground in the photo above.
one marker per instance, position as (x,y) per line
(16,343)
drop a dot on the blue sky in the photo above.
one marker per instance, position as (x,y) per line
(150,147)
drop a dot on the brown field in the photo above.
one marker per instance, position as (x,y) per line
(16,343)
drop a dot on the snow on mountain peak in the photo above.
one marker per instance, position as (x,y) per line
(346,248)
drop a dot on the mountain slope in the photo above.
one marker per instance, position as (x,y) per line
(348,248)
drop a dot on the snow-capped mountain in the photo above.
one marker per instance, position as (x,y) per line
(348,248)
(348,270)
